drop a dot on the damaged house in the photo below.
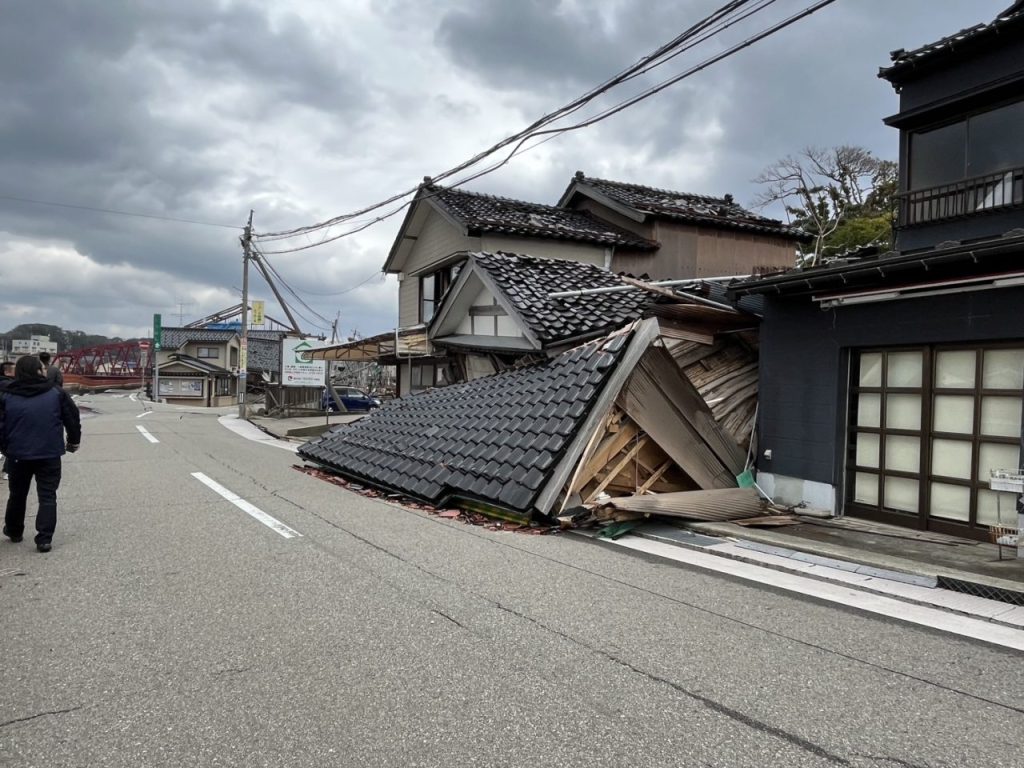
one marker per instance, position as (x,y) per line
(586,411)
(611,225)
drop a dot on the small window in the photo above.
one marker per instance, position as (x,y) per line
(234,357)
(208,352)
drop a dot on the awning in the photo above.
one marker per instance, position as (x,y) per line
(386,348)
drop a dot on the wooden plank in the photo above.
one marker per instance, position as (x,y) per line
(606,450)
(687,401)
(655,476)
(645,404)
(618,467)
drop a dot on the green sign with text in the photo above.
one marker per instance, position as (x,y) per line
(157,332)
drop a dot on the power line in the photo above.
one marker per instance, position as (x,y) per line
(523,137)
(119,213)
(644,64)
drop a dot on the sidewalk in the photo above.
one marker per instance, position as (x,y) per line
(303,427)
(944,572)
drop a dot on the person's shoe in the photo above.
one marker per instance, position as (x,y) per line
(44,546)
(15,539)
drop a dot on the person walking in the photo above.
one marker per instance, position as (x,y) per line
(53,373)
(6,377)
(34,415)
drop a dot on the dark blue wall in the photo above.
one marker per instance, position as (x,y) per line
(805,354)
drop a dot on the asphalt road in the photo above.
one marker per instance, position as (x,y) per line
(168,627)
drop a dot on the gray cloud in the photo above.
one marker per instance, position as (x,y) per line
(202,110)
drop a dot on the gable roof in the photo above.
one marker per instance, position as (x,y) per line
(906,63)
(489,213)
(481,214)
(264,346)
(640,202)
(193,362)
(507,439)
(523,284)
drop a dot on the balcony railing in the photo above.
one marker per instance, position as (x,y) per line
(964,198)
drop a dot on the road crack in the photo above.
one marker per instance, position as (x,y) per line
(40,714)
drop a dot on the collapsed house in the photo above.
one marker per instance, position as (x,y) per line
(615,416)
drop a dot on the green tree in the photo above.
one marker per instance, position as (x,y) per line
(844,196)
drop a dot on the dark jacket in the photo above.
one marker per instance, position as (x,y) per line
(33,417)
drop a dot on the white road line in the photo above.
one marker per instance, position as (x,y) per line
(132,397)
(253,512)
(945,621)
(146,434)
(144,413)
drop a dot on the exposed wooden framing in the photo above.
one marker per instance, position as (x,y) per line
(657,365)
(618,467)
(655,476)
(606,450)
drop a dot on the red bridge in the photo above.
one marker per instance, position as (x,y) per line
(120,365)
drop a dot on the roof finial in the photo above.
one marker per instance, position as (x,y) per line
(580,175)
(728,199)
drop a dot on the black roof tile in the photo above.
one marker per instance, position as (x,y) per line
(721,212)
(522,453)
(526,281)
(488,213)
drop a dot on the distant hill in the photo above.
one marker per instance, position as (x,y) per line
(66,340)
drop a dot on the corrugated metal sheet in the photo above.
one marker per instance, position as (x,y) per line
(714,505)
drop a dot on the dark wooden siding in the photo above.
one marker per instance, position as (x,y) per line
(804,355)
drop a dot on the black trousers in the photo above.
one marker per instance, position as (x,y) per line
(19,478)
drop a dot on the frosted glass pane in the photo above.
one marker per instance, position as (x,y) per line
(952,458)
(903,412)
(952,502)
(997,508)
(955,369)
(867,450)
(869,411)
(994,456)
(954,413)
(1000,416)
(900,494)
(871,369)
(1004,369)
(865,490)
(903,453)
(905,369)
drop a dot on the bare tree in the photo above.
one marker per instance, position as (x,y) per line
(820,188)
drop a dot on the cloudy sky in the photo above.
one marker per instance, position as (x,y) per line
(201,110)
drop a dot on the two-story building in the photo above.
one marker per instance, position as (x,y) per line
(199,366)
(625,228)
(891,386)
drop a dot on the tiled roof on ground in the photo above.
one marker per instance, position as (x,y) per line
(906,61)
(526,282)
(683,206)
(497,439)
(488,213)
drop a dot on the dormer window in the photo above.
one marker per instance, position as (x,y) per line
(972,165)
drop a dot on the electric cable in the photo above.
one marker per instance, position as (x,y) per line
(548,134)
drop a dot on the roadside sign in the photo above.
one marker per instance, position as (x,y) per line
(158,333)
(143,344)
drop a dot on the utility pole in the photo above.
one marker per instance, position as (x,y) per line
(243,357)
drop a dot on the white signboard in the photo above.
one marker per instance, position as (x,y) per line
(297,372)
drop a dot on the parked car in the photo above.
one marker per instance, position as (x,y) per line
(355,400)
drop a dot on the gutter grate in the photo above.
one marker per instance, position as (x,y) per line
(981,590)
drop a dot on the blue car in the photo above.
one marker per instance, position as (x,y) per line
(354,400)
